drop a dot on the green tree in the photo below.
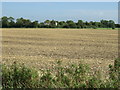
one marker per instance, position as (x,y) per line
(80,24)
(5,23)
(41,25)
(71,24)
(62,24)
(23,23)
(19,23)
(47,22)
(111,24)
(0,23)
(35,24)
(11,22)
(53,24)
(104,23)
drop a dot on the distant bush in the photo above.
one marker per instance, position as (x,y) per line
(71,76)
(113,27)
(94,27)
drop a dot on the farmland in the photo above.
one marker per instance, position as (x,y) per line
(40,48)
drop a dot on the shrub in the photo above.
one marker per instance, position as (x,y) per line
(94,27)
(113,27)
(71,76)
(17,76)
(114,72)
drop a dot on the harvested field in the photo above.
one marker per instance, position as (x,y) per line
(40,48)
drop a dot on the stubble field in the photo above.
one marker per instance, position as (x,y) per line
(41,48)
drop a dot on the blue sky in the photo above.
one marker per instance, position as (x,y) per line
(41,11)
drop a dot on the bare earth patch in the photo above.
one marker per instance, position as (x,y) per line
(40,48)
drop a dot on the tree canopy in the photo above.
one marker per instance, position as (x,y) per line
(10,22)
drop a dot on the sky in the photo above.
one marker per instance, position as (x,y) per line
(62,11)
(60,0)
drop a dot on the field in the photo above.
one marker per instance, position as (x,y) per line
(40,48)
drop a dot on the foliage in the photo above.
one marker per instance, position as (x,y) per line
(115,73)
(9,22)
(18,76)
(71,76)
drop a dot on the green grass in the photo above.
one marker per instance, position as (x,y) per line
(72,76)
(108,28)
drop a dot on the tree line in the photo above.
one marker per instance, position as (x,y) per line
(10,22)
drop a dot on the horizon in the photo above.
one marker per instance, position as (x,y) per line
(56,20)
(62,11)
